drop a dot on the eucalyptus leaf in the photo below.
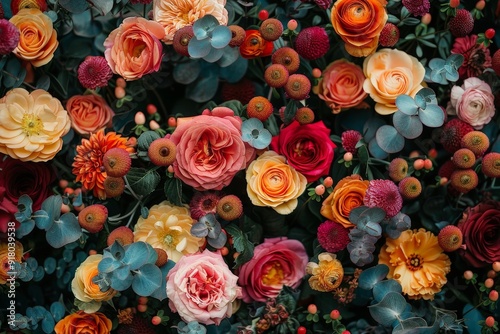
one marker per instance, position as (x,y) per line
(433,116)
(388,310)
(64,231)
(204,88)
(389,139)
(74,6)
(371,276)
(161,292)
(382,288)
(199,48)
(146,280)
(409,126)
(186,73)
(204,26)
(136,255)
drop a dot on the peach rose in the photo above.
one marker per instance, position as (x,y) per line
(473,102)
(347,195)
(254,45)
(359,23)
(134,48)
(7,255)
(342,85)
(88,113)
(38,39)
(176,14)
(390,73)
(84,323)
(272,182)
(84,289)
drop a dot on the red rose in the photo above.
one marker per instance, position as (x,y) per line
(480,226)
(308,148)
(18,178)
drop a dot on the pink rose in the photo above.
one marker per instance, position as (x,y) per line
(134,48)
(275,263)
(342,85)
(473,103)
(210,150)
(200,287)
(308,148)
(88,113)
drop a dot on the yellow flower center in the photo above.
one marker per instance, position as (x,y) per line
(273,273)
(170,238)
(138,50)
(414,262)
(31,124)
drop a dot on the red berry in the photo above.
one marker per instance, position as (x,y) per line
(142,300)
(489,283)
(433,153)
(490,321)
(301,330)
(335,314)
(427,164)
(493,295)
(418,164)
(454,3)
(480,4)
(263,14)
(156,320)
(151,109)
(490,33)
(313,309)
(172,122)
(328,182)
(224,251)
(142,308)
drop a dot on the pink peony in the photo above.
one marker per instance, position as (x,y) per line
(134,48)
(275,263)
(200,287)
(210,150)
(473,103)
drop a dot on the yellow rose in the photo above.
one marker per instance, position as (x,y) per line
(271,182)
(390,73)
(32,125)
(13,254)
(347,195)
(38,39)
(82,286)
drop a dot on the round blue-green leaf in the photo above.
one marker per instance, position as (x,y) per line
(204,26)
(229,56)
(64,231)
(371,126)
(108,264)
(25,228)
(147,279)
(204,88)
(161,292)
(376,151)
(24,205)
(420,101)
(136,255)
(214,55)
(388,309)
(49,265)
(371,276)
(235,71)
(219,241)
(199,48)
(32,263)
(409,126)
(472,318)
(432,116)
(389,139)
(199,230)
(186,73)
(38,274)
(57,310)
(221,36)
(52,205)
(42,220)
(122,273)
(121,285)
(382,288)
(406,104)
(67,255)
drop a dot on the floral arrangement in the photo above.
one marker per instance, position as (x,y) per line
(228,166)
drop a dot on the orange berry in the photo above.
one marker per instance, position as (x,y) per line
(69,191)
(433,153)
(348,156)
(93,217)
(162,257)
(156,320)
(491,274)
(319,190)
(426,19)
(119,92)
(428,164)
(259,107)
(328,182)
(122,234)
(151,109)
(464,158)
(298,87)
(480,4)
(120,82)
(224,251)
(468,275)
(414,154)
(493,295)
(92,252)
(153,125)
(454,3)
(140,118)
(464,180)
(292,25)
(142,300)
(316,73)
(450,238)
(63,184)
(313,309)
(496,266)
(116,162)
(172,122)
(335,314)
(65,208)
(489,282)
(489,321)
(142,308)
(418,164)
(304,115)
(162,152)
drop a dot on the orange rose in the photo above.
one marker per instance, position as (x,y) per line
(271,182)
(38,39)
(254,45)
(84,323)
(342,85)
(359,23)
(347,195)
(390,73)
(87,291)
(88,113)
(8,254)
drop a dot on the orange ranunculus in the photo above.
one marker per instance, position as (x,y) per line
(342,85)
(417,262)
(84,323)
(389,74)
(359,23)
(254,45)
(38,39)
(327,274)
(88,113)
(85,289)
(271,182)
(7,256)
(347,195)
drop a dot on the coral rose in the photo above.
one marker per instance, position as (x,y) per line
(308,148)
(32,125)
(359,23)
(85,289)
(88,113)
(473,102)
(176,14)
(38,39)
(480,227)
(210,150)
(347,195)
(417,262)
(275,263)
(272,182)
(201,288)
(341,86)
(254,45)
(390,73)
(134,48)
(84,323)
(168,227)
(7,256)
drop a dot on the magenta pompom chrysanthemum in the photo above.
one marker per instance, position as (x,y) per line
(332,236)
(349,140)
(94,72)
(417,7)
(9,37)
(385,195)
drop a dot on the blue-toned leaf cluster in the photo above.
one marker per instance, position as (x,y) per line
(60,229)
(254,133)
(442,71)
(209,227)
(29,270)
(130,266)
(39,317)
(192,327)
(368,219)
(211,42)
(395,225)
(361,247)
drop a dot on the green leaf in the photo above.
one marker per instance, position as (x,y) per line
(145,140)
(241,243)
(371,276)
(74,6)
(409,126)
(382,288)
(143,181)
(64,231)
(104,6)
(173,190)
(389,309)
(389,139)
(146,280)
(290,111)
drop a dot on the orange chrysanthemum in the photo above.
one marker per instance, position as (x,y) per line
(417,262)
(88,166)
(327,274)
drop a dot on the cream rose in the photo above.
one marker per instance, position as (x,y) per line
(271,182)
(390,73)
